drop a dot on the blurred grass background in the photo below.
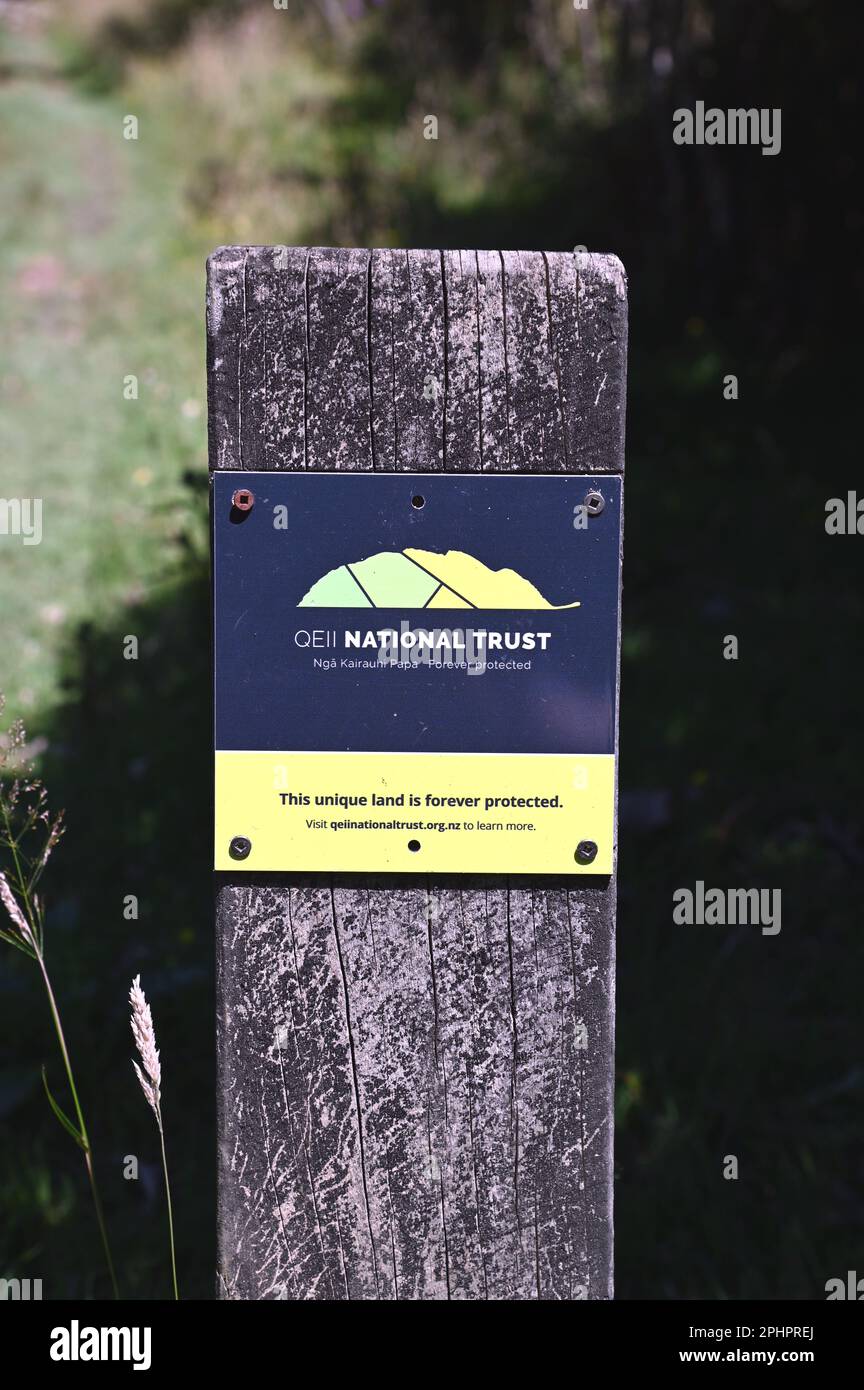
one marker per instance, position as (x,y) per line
(305,125)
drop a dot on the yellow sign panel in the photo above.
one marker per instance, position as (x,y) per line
(416,812)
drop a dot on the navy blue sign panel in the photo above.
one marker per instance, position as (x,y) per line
(416,613)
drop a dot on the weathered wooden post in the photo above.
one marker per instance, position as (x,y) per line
(416,1062)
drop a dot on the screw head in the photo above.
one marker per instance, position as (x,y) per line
(243,500)
(594,503)
(586,852)
(240,847)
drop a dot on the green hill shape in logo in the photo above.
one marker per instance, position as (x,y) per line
(423,579)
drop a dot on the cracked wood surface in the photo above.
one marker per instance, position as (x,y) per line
(415,1073)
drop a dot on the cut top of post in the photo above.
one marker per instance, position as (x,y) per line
(450,361)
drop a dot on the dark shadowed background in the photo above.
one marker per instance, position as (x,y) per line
(306,125)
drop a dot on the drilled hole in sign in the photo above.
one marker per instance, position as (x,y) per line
(418,501)
(413,845)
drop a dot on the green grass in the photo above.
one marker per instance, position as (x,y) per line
(96,285)
(101,277)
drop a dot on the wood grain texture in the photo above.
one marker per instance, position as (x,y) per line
(415,1073)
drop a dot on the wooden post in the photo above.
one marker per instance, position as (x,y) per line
(409,1107)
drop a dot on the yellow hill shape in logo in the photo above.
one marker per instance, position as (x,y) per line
(423,579)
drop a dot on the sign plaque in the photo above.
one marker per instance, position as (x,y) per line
(416,672)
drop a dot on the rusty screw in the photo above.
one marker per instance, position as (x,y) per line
(243,499)
(594,503)
(586,852)
(240,847)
